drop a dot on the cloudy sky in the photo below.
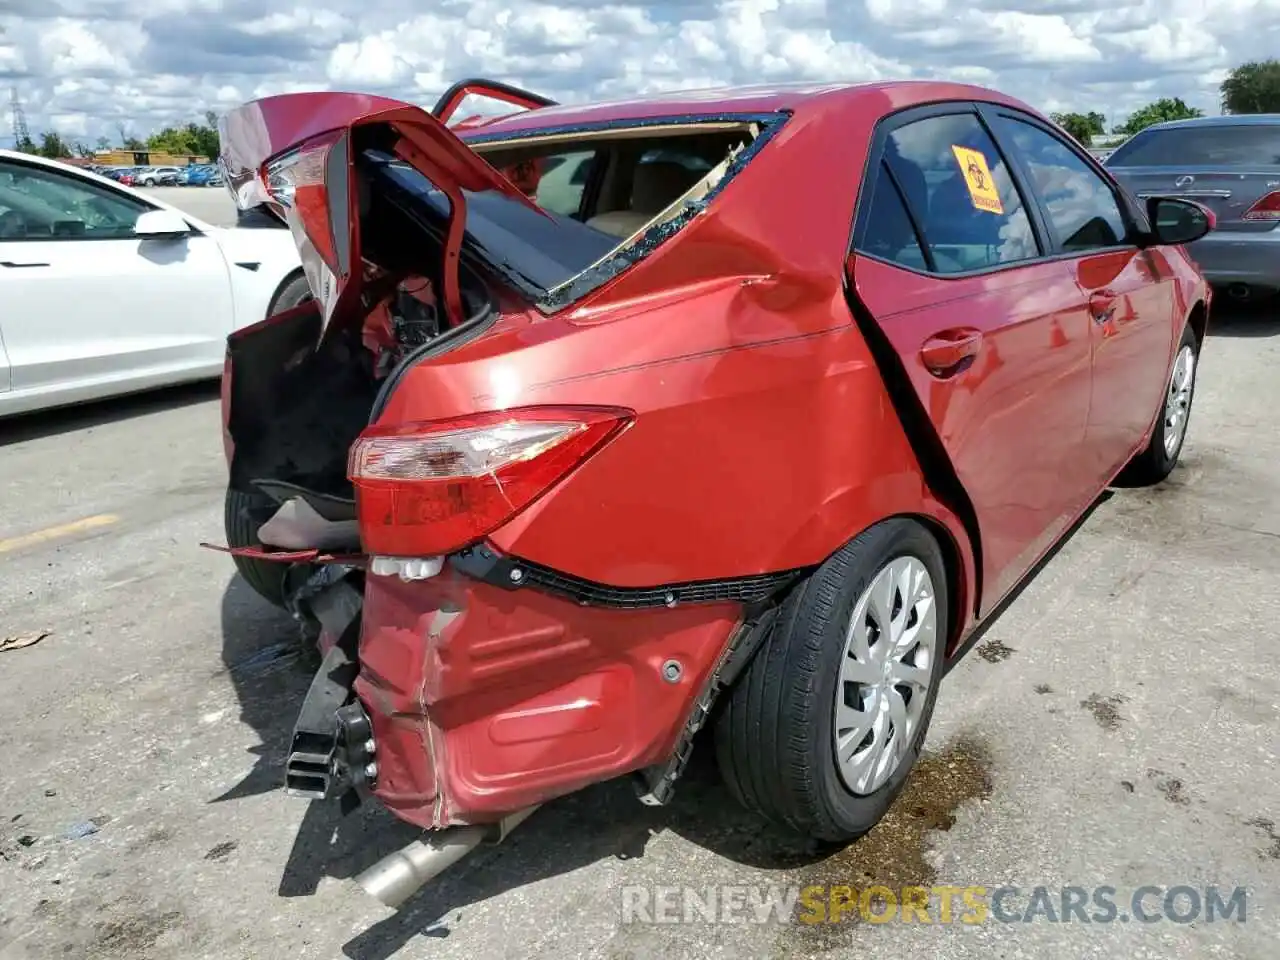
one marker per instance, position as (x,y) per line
(89,67)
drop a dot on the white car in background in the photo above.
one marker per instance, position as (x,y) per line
(104,290)
(157,176)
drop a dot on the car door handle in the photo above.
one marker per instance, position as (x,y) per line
(1102,306)
(944,352)
(13,266)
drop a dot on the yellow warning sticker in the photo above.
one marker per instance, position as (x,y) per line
(977,177)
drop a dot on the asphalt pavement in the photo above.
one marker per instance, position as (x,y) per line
(213,205)
(1116,727)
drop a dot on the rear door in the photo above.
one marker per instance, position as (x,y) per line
(1226,166)
(1130,294)
(988,333)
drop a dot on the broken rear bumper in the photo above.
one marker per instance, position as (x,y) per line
(478,692)
(483,701)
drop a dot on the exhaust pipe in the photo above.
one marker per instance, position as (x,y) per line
(398,876)
(1239,291)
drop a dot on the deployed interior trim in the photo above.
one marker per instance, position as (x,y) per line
(482,145)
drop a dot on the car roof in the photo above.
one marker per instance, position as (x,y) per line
(756,99)
(1226,120)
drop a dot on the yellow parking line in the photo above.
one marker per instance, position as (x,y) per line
(62,530)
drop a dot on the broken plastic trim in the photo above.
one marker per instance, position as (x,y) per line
(483,562)
(296,525)
(406,568)
(655,785)
(313,555)
(636,248)
(311,767)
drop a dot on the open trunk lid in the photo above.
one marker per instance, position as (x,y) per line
(1230,168)
(294,154)
(318,160)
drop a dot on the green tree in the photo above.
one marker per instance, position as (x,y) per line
(207,136)
(27,145)
(1165,109)
(104,143)
(1083,126)
(197,138)
(1253,87)
(53,146)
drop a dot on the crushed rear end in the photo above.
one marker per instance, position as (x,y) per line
(376,446)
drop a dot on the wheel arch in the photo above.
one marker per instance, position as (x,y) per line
(939,473)
(288,278)
(928,512)
(1198,320)
(960,572)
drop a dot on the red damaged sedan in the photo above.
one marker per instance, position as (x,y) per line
(744,407)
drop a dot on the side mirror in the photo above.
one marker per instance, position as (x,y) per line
(159,225)
(1175,221)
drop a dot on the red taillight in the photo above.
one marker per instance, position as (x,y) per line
(428,489)
(1268,208)
(310,186)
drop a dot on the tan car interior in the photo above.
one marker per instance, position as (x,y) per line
(654,187)
(636,184)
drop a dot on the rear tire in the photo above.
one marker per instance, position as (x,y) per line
(264,577)
(1161,455)
(782,726)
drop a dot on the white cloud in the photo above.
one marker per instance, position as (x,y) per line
(372,61)
(89,67)
(71,47)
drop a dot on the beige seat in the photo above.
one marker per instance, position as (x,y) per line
(654,188)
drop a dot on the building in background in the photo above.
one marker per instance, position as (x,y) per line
(146,158)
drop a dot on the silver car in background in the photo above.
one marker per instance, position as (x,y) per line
(1230,164)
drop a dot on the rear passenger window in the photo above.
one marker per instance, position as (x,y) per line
(1083,212)
(890,234)
(960,191)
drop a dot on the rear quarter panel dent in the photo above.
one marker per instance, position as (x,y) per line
(786,214)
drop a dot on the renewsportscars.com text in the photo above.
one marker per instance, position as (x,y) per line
(814,904)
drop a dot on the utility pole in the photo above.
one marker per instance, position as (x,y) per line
(21,134)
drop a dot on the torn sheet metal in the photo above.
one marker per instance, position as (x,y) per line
(291,556)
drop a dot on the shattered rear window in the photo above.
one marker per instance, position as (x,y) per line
(543,250)
(556,259)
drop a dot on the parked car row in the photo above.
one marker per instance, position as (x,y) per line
(194,175)
(200,175)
